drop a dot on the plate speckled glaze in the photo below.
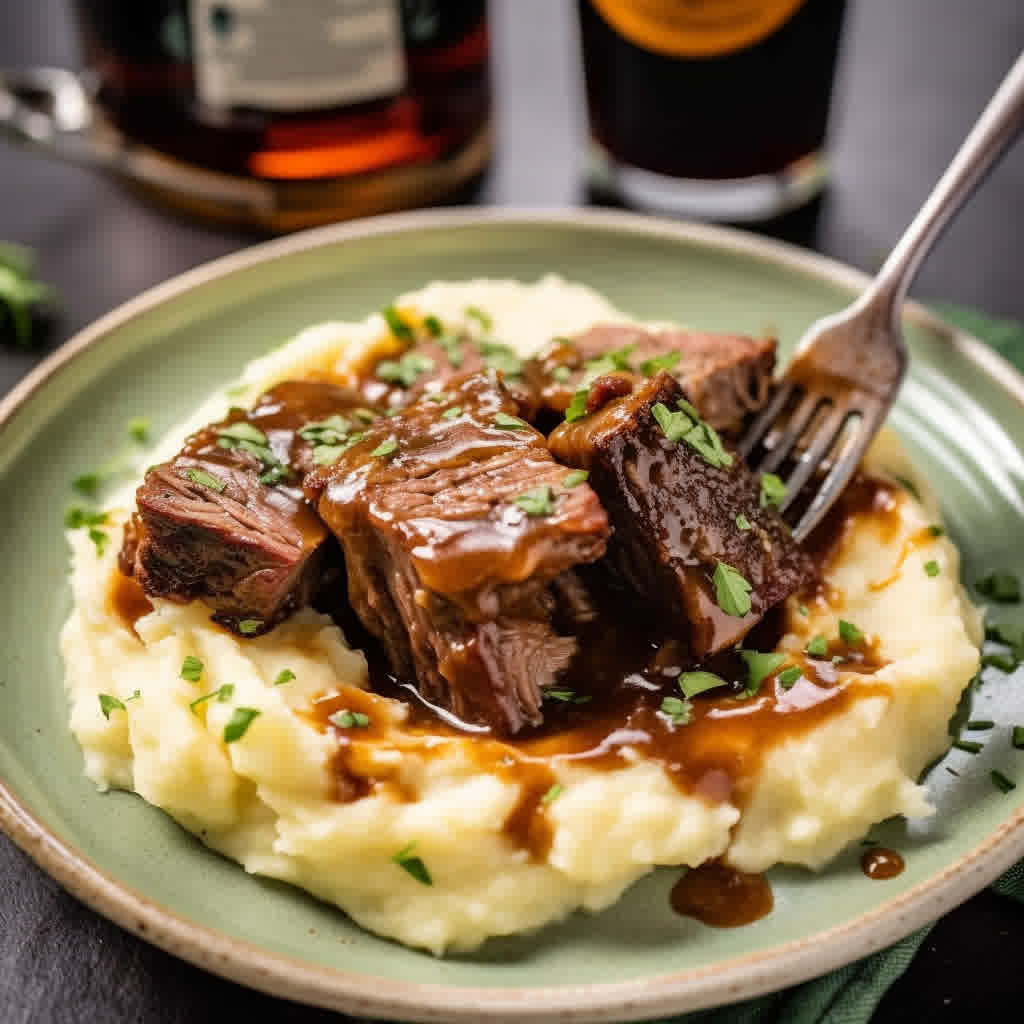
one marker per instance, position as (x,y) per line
(960,413)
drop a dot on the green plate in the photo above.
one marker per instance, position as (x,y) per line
(960,413)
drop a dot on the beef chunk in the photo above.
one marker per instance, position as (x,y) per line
(455,522)
(725,376)
(226,521)
(680,511)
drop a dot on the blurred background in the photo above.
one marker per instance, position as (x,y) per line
(222,137)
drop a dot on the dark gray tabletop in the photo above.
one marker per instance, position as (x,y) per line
(914,75)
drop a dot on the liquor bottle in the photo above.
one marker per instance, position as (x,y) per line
(286,113)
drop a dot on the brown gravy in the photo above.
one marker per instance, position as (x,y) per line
(721,896)
(126,600)
(881,863)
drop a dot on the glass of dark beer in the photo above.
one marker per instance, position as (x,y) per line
(713,109)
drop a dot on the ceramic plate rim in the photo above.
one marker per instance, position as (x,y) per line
(723,982)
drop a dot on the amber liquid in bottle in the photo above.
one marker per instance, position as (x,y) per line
(397,114)
(755,111)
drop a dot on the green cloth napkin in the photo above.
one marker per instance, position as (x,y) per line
(849,995)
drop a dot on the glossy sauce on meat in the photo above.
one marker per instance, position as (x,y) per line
(721,896)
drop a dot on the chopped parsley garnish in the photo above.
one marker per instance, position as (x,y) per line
(575,478)
(931,568)
(849,633)
(968,745)
(687,427)
(286,675)
(481,316)
(249,626)
(325,454)
(332,430)
(366,415)
(275,475)
(399,328)
(787,677)
(506,422)
(732,591)
(238,724)
(136,694)
(610,362)
(553,793)
(935,530)
(567,696)
(406,860)
(743,523)
(100,539)
(453,413)
(404,371)
(77,516)
(759,668)
(191,669)
(385,448)
(497,356)
(802,609)
(980,725)
(679,711)
(1003,587)
(1017,737)
(221,695)
(243,431)
(1003,662)
(346,719)
(536,502)
(692,683)
(138,429)
(650,367)
(773,490)
(108,704)
(818,646)
(578,406)
(561,374)
(1001,782)
(433,326)
(204,479)
(440,397)
(452,345)
(908,485)
(87,483)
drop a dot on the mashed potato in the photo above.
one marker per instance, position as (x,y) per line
(266,800)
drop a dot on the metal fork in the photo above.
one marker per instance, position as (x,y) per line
(847,368)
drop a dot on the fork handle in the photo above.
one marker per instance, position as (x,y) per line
(997,127)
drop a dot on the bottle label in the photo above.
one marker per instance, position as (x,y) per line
(293,55)
(696,28)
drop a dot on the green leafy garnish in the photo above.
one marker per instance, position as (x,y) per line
(385,448)
(743,523)
(108,704)
(1003,587)
(332,430)
(732,591)
(553,793)
(191,669)
(1017,737)
(1001,782)
(566,696)
(453,413)
(204,479)
(433,326)
(406,860)
(238,724)
(286,675)
(578,406)
(100,539)
(452,345)
(680,712)
(405,371)
(575,478)
(506,422)
(536,502)
(908,485)
(802,609)
(87,483)
(692,683)
(399,328)
(440,397)
(249,626)
(787,677)
(77,516)
(346,719)
(20,291)
(561,374)
(1003,662)
(138,429)
(818,646)
(759,668)
(935,530)
(497,356)
(931,568)
(610,362)
(482,317)
(687,427)
(969,746)
(979,725)
(849,633)
(773,490)
(221,695)
(649,367)
(243,431)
